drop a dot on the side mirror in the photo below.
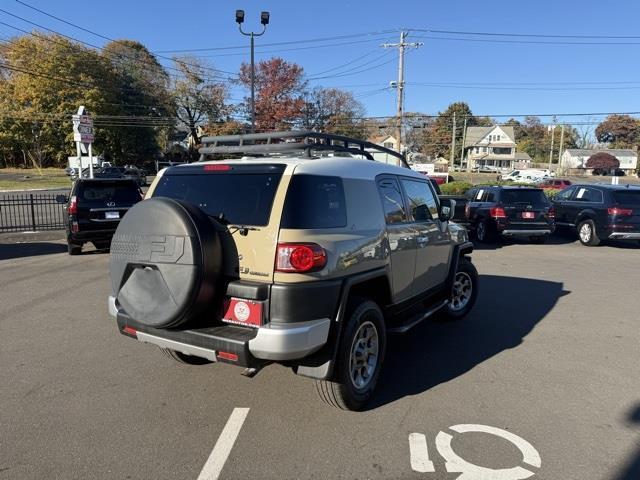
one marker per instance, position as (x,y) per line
(62,199)
(447,209)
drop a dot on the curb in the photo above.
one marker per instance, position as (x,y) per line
(28,237)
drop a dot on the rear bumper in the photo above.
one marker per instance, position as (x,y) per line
(89,235)
(625,236)
(526,233)
(271,342)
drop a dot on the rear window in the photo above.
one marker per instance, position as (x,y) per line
(314,201)
(243,198)
(529,197)
(125,192)
(630,197)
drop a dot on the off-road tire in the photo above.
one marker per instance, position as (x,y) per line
(587,233)
(466,274)
(184,358)
(342,392)
(74,249)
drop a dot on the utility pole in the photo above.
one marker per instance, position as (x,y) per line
(453,143)
(552,129)
(464,139)
(400,84)
(561,145)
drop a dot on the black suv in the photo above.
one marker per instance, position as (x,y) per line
(94,208)
(600,212)
(494,211)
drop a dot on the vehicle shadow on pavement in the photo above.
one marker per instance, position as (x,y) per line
(632,469)
(438,351)
(34,249)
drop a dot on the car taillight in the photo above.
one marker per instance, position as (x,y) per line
(497,212)
(243,312)
(552,212)
(625,212)
(217,168)
(73,206)
(300,257)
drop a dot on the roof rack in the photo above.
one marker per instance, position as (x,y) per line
(285,142)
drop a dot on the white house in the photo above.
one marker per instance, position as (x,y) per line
(493,146)
(576,158)
(387,141)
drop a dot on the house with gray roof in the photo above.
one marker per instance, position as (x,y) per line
(492,147)
(576,158)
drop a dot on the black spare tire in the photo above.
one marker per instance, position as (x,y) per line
(165,262)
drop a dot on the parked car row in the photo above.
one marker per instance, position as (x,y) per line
(129,172)
(595,212)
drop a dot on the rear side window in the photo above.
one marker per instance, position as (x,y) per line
(529,197)
(630,197)
(589,195)
(108,192)
(242,198)
(314,201)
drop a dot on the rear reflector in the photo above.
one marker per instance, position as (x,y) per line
(552,212)
(130,331)
(243,312)
(74,227)
(228,356)
(620,211)
(217,168)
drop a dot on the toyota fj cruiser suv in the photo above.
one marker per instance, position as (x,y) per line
(297,253)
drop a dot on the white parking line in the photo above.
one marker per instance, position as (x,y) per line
(223,446)
(419,454)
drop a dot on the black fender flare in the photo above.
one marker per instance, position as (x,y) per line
(320,365)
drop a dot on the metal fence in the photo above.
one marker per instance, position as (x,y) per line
(30,212)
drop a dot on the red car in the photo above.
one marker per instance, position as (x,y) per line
(556,183)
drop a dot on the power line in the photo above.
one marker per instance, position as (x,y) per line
(116,41)
(351,72)
(535,35)
(292,42)
(524,42)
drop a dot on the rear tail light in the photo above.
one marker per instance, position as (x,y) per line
(625,212)
(552,212)
(73,206)
(243,312)
(300,257)
(497,212)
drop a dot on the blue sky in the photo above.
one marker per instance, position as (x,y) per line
(496,78)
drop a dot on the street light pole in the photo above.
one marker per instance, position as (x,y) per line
(264,20)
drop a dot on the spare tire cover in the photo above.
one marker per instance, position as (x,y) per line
(165,262)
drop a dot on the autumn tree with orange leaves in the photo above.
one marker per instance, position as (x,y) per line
(280,86)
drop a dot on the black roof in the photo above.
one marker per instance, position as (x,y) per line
(608,186)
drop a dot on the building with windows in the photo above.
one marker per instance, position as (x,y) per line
(387,141)
(574,160)
(490,148)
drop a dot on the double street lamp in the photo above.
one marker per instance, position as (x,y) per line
(264,20)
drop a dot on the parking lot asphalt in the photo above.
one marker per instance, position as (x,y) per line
(550,353)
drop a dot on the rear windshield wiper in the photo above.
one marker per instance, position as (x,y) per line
(243,229)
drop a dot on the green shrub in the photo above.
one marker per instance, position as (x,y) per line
(455,188)
(552,192)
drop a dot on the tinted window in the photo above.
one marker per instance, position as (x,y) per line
(422,204)
(529,197)
(314,201)
(491,197)
(243,198)
(588,195)
(627,197)
(565,194)
(392,202)
(125,192)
